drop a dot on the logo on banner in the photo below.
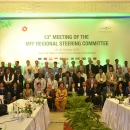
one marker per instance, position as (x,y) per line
(94,58)
(77,58)
(72,58)
(106,29)
(24,28)
(56,58)
(50,58)
(39,58)
(44,58)
(89,58)
(84,58)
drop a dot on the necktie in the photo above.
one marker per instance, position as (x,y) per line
(116,67)
(15,92)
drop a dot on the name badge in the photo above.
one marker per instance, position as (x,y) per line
(78,84)
(66,85)
(17,81)
(95,94)
(91,85)
(55,73)
(111,78)
(119,79)
(101,79)
(85,94)
(60,79)
(73,90)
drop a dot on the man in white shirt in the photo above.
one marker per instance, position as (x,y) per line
(28,66)
(36,67)
(116,66)
(101,79)
(8,80)
(83,75)
(53,82)
(125,67)
(73,66)
(64,66)
(41,80)
(29,78)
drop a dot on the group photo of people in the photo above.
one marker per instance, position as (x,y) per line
(91,81)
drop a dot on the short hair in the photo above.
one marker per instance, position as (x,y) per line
(78,71)
(116,60)
(67,72)
(55,62)
(38,83)
(17,61)
(60,69)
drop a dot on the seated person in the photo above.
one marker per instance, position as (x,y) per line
(15,93)
(84,91)
(27,92)
(38,90)
(50,92)
(107,90)
(120,90)
(73,87)
(61,97)
(96,95)
(3,92)
(128,89)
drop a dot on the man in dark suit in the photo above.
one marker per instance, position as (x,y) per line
(60,75)
(3,68)
(79,80)
(84,91)
(72,74)
(127,76)
(39,72)
(90,66)
(18,78)
(98,66)
(10,68)
(107,89)
(107,66)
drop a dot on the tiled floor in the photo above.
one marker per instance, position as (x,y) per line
(57,120)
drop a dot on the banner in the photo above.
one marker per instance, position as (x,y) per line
(74,39)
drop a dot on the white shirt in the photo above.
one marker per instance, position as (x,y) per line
(36,68)
(42,81)
(26,69)
(84,76)
(53,83)
(65,67)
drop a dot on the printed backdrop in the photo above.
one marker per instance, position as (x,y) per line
(73,39)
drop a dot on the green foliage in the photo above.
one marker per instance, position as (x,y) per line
(81,114)
(5,23)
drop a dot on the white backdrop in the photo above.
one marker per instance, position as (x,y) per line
(25,39)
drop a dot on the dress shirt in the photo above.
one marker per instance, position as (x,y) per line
(54,83)
(29,77)
(55,70)
(26,69)
(9,80)
(84,76)
(36,68)
(42,81)
(65,67)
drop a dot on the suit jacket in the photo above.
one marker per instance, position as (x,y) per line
(127,77)
(99,79)
(70,82)
(36,75)
(97,68)
(118,92)
(73,76)
(83,67)
(105,68)
(88,82)
(108,76)
(105,91)
(4,69)
(95,91)
(11,69)
(81,92)
(57,76)
(17,94)
(80,81)
(92,68)
(127,91)
(20,78)
(3,92)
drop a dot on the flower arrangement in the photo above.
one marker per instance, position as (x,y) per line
(40,99)
(121,98)
(27,109)
(109,94)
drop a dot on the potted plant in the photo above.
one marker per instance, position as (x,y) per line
(81,116)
